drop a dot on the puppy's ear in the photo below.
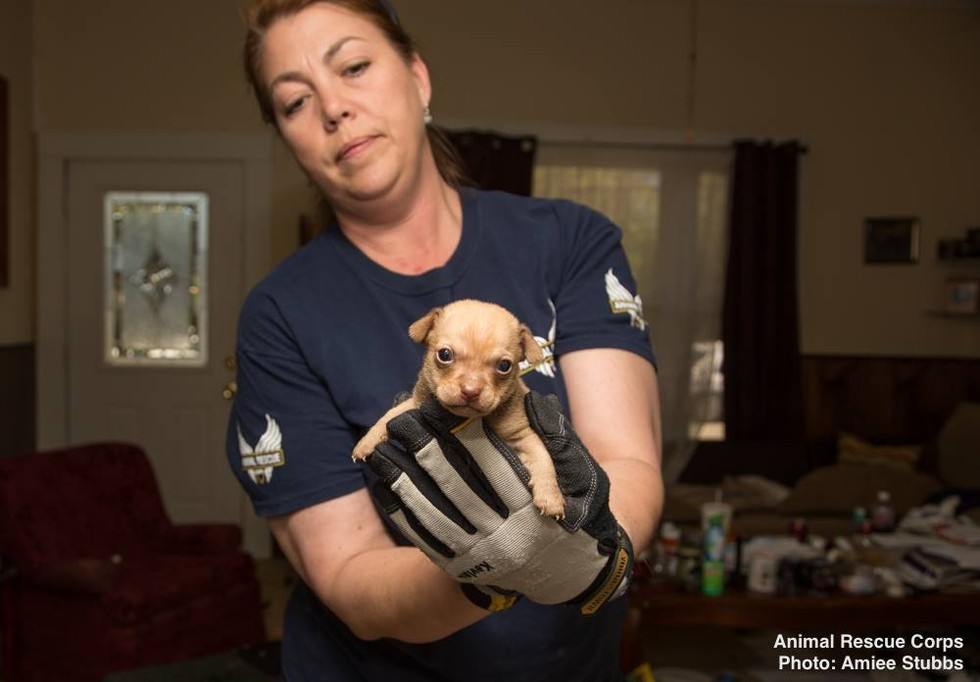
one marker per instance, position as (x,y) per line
(419,330)
(532,351)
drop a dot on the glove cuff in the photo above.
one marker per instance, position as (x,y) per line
(613,581)
(490,600)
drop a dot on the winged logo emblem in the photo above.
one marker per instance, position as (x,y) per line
(259,462)
(622,301)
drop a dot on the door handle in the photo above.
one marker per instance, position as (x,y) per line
(231,388)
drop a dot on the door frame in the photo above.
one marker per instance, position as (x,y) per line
(56,151)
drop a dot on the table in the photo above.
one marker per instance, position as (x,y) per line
(739,609)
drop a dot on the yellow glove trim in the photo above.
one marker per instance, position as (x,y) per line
(613,580)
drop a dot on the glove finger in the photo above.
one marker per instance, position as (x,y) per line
(416,429)
(408,525)
(503,471)
(420,495)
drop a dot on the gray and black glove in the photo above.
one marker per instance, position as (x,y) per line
(460,495)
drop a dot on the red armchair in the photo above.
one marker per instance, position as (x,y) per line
(104,581)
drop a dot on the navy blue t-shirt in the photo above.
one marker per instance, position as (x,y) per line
(322,350)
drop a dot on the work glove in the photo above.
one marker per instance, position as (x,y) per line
(458,493)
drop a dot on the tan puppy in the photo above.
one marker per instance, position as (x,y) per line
(471,368)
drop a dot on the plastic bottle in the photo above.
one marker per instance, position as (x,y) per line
(715,519)
(883,513)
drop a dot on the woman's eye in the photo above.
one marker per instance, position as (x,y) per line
(294,106)
(356,69)
(444,355)
(504,366)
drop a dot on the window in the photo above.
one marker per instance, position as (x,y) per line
(672,208)
(156,278)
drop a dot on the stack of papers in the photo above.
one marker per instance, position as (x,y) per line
(930,562)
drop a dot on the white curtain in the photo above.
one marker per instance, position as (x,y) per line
(672,208)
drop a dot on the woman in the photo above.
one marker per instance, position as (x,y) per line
(323,348)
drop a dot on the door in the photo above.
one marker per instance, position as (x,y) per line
(152,299)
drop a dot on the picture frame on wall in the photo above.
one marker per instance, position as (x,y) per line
(891,240)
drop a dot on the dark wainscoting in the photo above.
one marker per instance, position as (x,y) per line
(883,399)
(893,400)
(17,398)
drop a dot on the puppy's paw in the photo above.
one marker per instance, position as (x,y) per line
(549,501)
(366,446)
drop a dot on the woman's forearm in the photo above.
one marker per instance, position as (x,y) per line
(636,496)
(397,592)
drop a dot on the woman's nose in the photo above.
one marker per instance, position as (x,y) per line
(335,110)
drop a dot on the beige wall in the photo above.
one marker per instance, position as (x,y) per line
(17,299)
(884,94)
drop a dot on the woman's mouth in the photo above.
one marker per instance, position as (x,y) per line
(354,148)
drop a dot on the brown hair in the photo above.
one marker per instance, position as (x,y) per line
(261,14)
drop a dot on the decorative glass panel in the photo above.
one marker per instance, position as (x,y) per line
(156,278)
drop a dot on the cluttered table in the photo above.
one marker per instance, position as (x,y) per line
(925,571)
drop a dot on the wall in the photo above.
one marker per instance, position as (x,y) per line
(17,299)
(884,95)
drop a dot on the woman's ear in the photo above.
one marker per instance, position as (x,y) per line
(419,330)
(420,72)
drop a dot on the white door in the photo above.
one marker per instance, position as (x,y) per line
(175,411)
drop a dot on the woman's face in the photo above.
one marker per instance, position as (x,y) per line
(346,103)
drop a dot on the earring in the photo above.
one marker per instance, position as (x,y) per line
(427,115)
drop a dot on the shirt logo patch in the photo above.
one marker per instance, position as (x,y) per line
(260,461)
(622,301)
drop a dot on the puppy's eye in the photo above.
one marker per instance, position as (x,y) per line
(504,366)
(444,355)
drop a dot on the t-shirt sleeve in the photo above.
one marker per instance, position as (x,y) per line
(287,442)
(598,305)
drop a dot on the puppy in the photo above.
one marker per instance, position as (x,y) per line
(471,367)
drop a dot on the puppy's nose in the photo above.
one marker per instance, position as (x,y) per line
(470,392)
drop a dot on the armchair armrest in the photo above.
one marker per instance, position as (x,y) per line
(83,576)
(204,537)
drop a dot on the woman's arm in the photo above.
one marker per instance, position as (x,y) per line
(342,551)
(615,410)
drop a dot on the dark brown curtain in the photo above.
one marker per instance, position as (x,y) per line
(496,162)
(762,368)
